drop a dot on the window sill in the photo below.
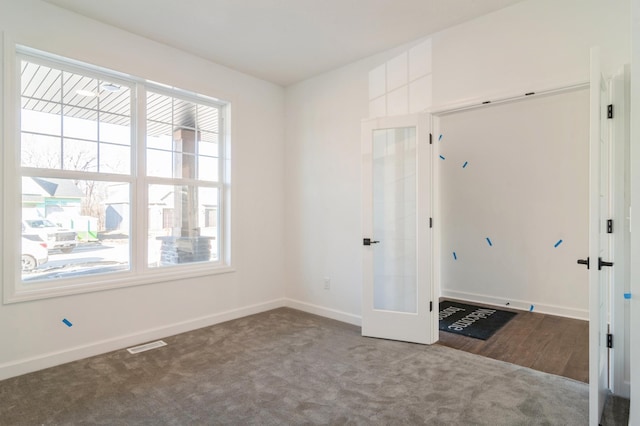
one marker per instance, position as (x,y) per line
(45,290)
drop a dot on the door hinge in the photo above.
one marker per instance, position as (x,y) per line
(610,111)
(610,341)
(430,139)
(430,222)
(610,226)
(431,306)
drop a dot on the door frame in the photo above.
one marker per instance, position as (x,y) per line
(619,309)
(618,306)
(439,111)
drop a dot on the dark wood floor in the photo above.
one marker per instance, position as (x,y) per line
(542,342)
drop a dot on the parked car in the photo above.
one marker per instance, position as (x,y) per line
(55,237)
(34,253)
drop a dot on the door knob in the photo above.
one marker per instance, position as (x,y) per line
(602,263)
(584,262)
(368,241)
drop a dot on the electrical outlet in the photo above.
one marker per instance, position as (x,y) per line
(327,283)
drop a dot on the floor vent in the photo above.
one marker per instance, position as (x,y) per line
(146,347)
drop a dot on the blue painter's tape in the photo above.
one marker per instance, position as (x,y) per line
(440,138)
(455,257)
(627,295)
(67,322)
(441,157)
(558,243)
(531,308)
(465,164)
(489,242)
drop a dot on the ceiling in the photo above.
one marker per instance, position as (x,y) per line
(283,41)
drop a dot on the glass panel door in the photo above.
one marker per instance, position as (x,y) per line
(394,219)
(397,286)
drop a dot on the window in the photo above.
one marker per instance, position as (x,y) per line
(121,180)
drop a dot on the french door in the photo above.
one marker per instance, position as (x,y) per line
(398,301)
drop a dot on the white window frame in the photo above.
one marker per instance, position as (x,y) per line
(14,290)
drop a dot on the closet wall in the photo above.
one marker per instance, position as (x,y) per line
(514,203)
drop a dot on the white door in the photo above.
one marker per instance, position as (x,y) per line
(599,267)
(397,300)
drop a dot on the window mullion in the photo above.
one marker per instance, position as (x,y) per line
(224,193)
(74,174)
(98,117)
(139,200)
(62,121)
(183,182)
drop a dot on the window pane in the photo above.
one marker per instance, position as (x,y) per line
(209,200)
(184,165)
(115,113)
(115,99)
(159,136)
(171,164)
(39,84)
(80,91)
(176,154)
(159,163)
(115,158)
(184,114)
(208,144)
(80,155)
(115,128)
(207,118)
(42,122)
(208,168)
(73,228)
(40,151)
(183,225)
(80,123)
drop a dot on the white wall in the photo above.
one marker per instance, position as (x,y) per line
(532,45)
(31,333)
(322,184)
(526,188)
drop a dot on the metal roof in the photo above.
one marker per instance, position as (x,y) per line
(54,91)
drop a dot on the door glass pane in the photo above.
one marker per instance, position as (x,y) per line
(394,219)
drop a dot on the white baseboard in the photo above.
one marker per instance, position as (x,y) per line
(324,312)
(52,359)
(518,304)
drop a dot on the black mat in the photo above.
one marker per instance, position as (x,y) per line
(470,320)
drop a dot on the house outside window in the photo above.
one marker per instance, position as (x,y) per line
(119,179)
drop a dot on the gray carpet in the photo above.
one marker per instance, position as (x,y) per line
(289,367)
(616,411)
